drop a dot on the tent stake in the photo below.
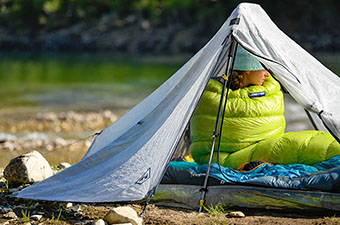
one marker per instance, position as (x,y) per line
(225,77)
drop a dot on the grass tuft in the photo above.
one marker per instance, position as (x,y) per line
(217,210)
(25,216)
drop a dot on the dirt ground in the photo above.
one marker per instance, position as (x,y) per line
(161,215)
(59,213)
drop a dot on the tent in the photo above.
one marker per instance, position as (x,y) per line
(127,160)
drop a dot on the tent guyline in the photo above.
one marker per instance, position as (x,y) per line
(74,142)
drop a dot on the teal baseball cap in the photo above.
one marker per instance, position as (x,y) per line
(246,62)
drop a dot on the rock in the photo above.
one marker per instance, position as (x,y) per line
(75,208)
(68,205)
(63,165)
(5,210)
(7,137)
(145,25)
(18,206)
(1,174)
(77,214)
(27,168)
(9,215)
(86,222)
(4,223)
(100,222)
(236,214)
(9,146)
(123,214)
(36,217)
(62,142)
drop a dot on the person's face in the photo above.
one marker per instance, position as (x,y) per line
(256,78)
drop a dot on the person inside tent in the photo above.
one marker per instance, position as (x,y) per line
(253,124)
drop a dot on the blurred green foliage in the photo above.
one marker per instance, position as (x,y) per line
(56,13)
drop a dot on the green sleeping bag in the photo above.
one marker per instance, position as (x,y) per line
(253,129)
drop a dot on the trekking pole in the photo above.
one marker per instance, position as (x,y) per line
(229,67)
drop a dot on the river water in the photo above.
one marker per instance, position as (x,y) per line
(54,81)
(32,83)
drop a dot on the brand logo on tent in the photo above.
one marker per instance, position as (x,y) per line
(144,177)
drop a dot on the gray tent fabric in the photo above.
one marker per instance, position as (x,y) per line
(188,196)
(127,160)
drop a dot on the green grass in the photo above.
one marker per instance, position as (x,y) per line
(59,209)
(6,186)
(217,210)
(25,216)
(56,219)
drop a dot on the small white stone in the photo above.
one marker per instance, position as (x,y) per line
(36,217)
(100,222)
(236,214)
(10,215)
(68,205)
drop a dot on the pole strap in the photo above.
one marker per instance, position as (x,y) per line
(201,203)
(204,189)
